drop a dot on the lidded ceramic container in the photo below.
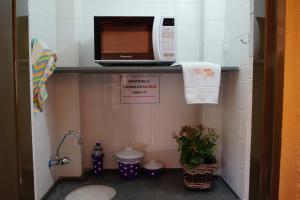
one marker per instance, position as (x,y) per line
(153,168)
(129,161)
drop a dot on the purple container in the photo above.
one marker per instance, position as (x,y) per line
(129,171)
(153,168)
(129,163)
(97,164)
(152,173)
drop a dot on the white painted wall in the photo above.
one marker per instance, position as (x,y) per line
(237,98)
(68,33)
(226,23)
(42,24)
(47,126)
(67,110)
(214,21)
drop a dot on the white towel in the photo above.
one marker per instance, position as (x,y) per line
(201,82)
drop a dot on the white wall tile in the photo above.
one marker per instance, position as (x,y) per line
(238,22)
(140,114)
(214,54)
(214,30)
(142,8)
(147,127)
(246,181)
(215,33)
(65,9)
(188,37)
(118,8)
(244,126)
(42,123)
(216,10)
(188,54)
(66,34)
(233,177)
(187,14)
(237,98)
(163,8)
(251,45)
(241,186)
(38,28)
(67,56)
(44,180)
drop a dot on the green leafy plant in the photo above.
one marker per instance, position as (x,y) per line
(197,145)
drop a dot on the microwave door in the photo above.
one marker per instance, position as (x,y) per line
(126,39)
(135,40)
(156,38)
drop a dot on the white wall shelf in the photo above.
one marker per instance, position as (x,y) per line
(130,69)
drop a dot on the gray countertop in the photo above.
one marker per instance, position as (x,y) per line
(169,186)
(130,69)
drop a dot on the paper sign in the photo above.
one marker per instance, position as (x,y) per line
(139,89)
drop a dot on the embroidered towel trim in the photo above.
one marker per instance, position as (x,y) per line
(43,66)
(201,82)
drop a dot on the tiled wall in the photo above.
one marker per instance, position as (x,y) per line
(232,116)
(67,117)
(50,125)
(90,104)
(147,127)
(63,108)
(139,125)
(39,13)
(80,17)
(103,118)
(237,98)
(75,25)
(68,14)
(214,21)
(42,24)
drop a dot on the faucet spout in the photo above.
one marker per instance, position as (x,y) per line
(70,132)
(64,160)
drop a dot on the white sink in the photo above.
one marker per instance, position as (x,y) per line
(92,192)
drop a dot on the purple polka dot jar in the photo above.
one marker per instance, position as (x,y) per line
(153,168)
(129,163)
(97,164)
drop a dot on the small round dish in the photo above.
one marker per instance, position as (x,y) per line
(153,168)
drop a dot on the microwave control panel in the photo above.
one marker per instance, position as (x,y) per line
(168,39)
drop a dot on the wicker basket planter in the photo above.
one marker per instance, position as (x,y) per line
(200,177)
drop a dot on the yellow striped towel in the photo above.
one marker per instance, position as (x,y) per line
(43,65)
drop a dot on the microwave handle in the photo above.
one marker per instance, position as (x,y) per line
(156,37)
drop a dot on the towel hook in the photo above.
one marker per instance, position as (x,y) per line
(245,42)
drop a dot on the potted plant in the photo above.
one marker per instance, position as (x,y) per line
(197,155)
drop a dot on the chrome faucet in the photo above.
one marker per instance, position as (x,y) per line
(64,160)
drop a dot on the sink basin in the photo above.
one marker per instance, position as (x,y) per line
(92,192)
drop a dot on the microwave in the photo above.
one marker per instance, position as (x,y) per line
(135,40)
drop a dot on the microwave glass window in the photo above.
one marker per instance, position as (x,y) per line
(125,38)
